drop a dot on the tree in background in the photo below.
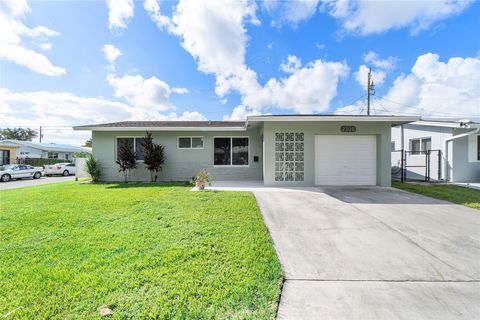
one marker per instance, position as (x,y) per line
(126,159)
(88,143)
(154,156)
(18,134)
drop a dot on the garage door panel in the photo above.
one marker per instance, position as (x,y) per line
(345,160)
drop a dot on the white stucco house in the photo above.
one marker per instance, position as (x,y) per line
(453,144)
(278,150)
(35,150)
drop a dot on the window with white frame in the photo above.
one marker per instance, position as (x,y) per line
(230,151)
(420,145)
(52,155)
(134,143)
(190,143)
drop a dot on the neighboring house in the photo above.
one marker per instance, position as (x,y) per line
(29,149)
(296,150)
(8,152)
(453,144)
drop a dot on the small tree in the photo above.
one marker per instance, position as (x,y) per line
(93,168)
(126,159)
(154,156)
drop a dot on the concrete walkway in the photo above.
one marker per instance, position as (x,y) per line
(373,253)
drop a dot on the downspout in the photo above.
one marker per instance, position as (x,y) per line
(446,148)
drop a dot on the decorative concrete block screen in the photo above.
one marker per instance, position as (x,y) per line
(289,156)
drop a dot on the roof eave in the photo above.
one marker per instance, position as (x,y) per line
(93,128)
(394,120)
(454,125)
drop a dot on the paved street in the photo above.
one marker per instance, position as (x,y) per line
(33,182)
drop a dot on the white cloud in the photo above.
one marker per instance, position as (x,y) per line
(180,90)
(45,45)
(308,89)
(15,32)
(369,17)
(434,88)
(185,116)
(148,96)
(54,109)
(378,77)
(111,54)
(240,113)
(57,111)
(153,9)
(214,33)
(374,59)
(379,71)
(292,12)
(119,13)
(293,64)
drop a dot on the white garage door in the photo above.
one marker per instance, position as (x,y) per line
(345,160)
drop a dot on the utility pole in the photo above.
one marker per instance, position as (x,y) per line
(370,89)
(40,135)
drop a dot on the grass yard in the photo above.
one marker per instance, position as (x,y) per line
(460,195)
(148,251)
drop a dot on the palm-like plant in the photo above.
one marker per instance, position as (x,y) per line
(93,168)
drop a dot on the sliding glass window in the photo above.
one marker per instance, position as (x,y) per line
(230,151)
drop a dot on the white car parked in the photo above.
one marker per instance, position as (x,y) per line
(19,171)
(64,169)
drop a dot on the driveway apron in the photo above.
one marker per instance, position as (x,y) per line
(373,253)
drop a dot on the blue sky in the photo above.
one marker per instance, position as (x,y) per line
(213,60)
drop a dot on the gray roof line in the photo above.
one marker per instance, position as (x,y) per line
(167,124)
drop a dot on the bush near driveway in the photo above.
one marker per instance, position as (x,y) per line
(460,195)
(147,251)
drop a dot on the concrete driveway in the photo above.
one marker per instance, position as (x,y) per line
(374,253)
(14,184)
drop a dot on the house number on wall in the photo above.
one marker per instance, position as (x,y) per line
(348,129)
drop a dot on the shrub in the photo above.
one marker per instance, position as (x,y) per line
(126,159)
(154,156)
(93,168)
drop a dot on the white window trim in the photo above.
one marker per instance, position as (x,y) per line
(421,144)
(133,137)
(191,148)
(473,148)
(231,153)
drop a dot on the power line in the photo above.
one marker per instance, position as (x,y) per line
(417,108)
(379,104)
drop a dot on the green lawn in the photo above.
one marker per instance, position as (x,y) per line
(467,197)
(148,251)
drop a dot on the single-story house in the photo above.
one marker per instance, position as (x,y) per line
(35,150)
(453,145)
(280,150)
(8,152)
